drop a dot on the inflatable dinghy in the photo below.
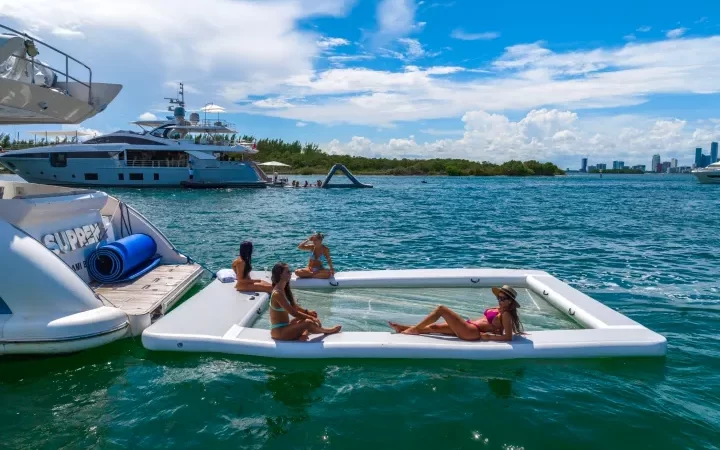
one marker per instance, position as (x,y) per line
(219,319)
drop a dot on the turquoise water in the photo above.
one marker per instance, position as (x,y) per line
(644,245)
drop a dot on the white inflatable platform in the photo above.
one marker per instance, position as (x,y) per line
(219,319)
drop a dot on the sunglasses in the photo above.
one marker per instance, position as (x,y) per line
(502,297)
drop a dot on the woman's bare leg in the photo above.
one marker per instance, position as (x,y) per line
(455,322)
(296,330)
(322,274)
(304,273)
(439,328)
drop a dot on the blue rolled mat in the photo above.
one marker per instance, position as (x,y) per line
(124,259)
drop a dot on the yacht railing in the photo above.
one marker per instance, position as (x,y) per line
(155,163)
(67,75)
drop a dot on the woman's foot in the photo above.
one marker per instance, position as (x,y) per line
(333,330)
(411,330)
(303,338)
(397,327)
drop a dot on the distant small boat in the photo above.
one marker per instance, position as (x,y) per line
(423,182)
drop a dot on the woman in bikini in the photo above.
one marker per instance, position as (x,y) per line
(282,306)
(496,324)
(242,267)
(315,268)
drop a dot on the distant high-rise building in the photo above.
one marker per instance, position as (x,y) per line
(601,166)
(639,167)
(673,163)
(698,157)
(618,164)
(655,166)
(704,160)
(583,165)
(665,167)
(713,152)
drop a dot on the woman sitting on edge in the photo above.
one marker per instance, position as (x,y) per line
(282,306)
(497,324)
(315,268)
(242,267)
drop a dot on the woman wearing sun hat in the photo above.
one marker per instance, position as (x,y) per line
(496,324)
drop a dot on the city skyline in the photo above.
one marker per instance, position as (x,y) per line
(657,165)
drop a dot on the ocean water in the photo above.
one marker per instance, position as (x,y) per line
(644,245)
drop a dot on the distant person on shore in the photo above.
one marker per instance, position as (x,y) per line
(306,184)
(242,267)
(282,306)
(318,252)
(496,324)
(319,183)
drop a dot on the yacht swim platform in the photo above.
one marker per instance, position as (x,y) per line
(219,319)
(156,291)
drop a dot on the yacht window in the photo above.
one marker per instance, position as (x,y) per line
(131,140)
(4,308)
(121,176)
(58,159)
(33,155)
(136,177)
(91,176)
(96,155)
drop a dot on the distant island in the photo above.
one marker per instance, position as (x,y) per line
(309,159)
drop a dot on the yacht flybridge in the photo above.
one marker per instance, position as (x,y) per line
(61,288)
(171,153)
(33,91)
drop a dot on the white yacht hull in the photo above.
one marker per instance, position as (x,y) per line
(48,301)
(91,172)
(707,176)
(23,103)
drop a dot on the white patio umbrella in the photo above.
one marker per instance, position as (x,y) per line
(274,164)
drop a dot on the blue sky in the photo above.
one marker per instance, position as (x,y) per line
(408,78)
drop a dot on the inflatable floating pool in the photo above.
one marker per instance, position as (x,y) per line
(219,319)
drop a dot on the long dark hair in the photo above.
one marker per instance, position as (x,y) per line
(246,249)
(275,277)
(517,326)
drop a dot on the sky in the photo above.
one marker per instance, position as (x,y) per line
(473,79)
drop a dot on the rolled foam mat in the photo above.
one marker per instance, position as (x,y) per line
(124,259)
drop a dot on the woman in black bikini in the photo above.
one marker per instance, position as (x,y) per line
(496,324)
(282,306)
(315,268)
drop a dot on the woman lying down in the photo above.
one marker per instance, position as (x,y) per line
(496,324)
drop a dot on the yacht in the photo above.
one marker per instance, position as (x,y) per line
(171,153)
(709,174)
(50,299)
(32,91)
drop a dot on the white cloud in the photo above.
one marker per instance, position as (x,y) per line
(327,43)
(301,124)
(68,33)
(548,134)
(273,103)
(629,37)
(147,116)
(348,58)
(644,29)
(675,33)
(241,41)
(463,36)
(396,18)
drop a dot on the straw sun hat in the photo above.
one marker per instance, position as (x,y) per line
(507,290)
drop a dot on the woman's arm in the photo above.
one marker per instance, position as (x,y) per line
(291,309)
(329,260)
(507,332)
(306,245)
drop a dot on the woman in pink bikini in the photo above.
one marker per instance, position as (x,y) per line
(496,324)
